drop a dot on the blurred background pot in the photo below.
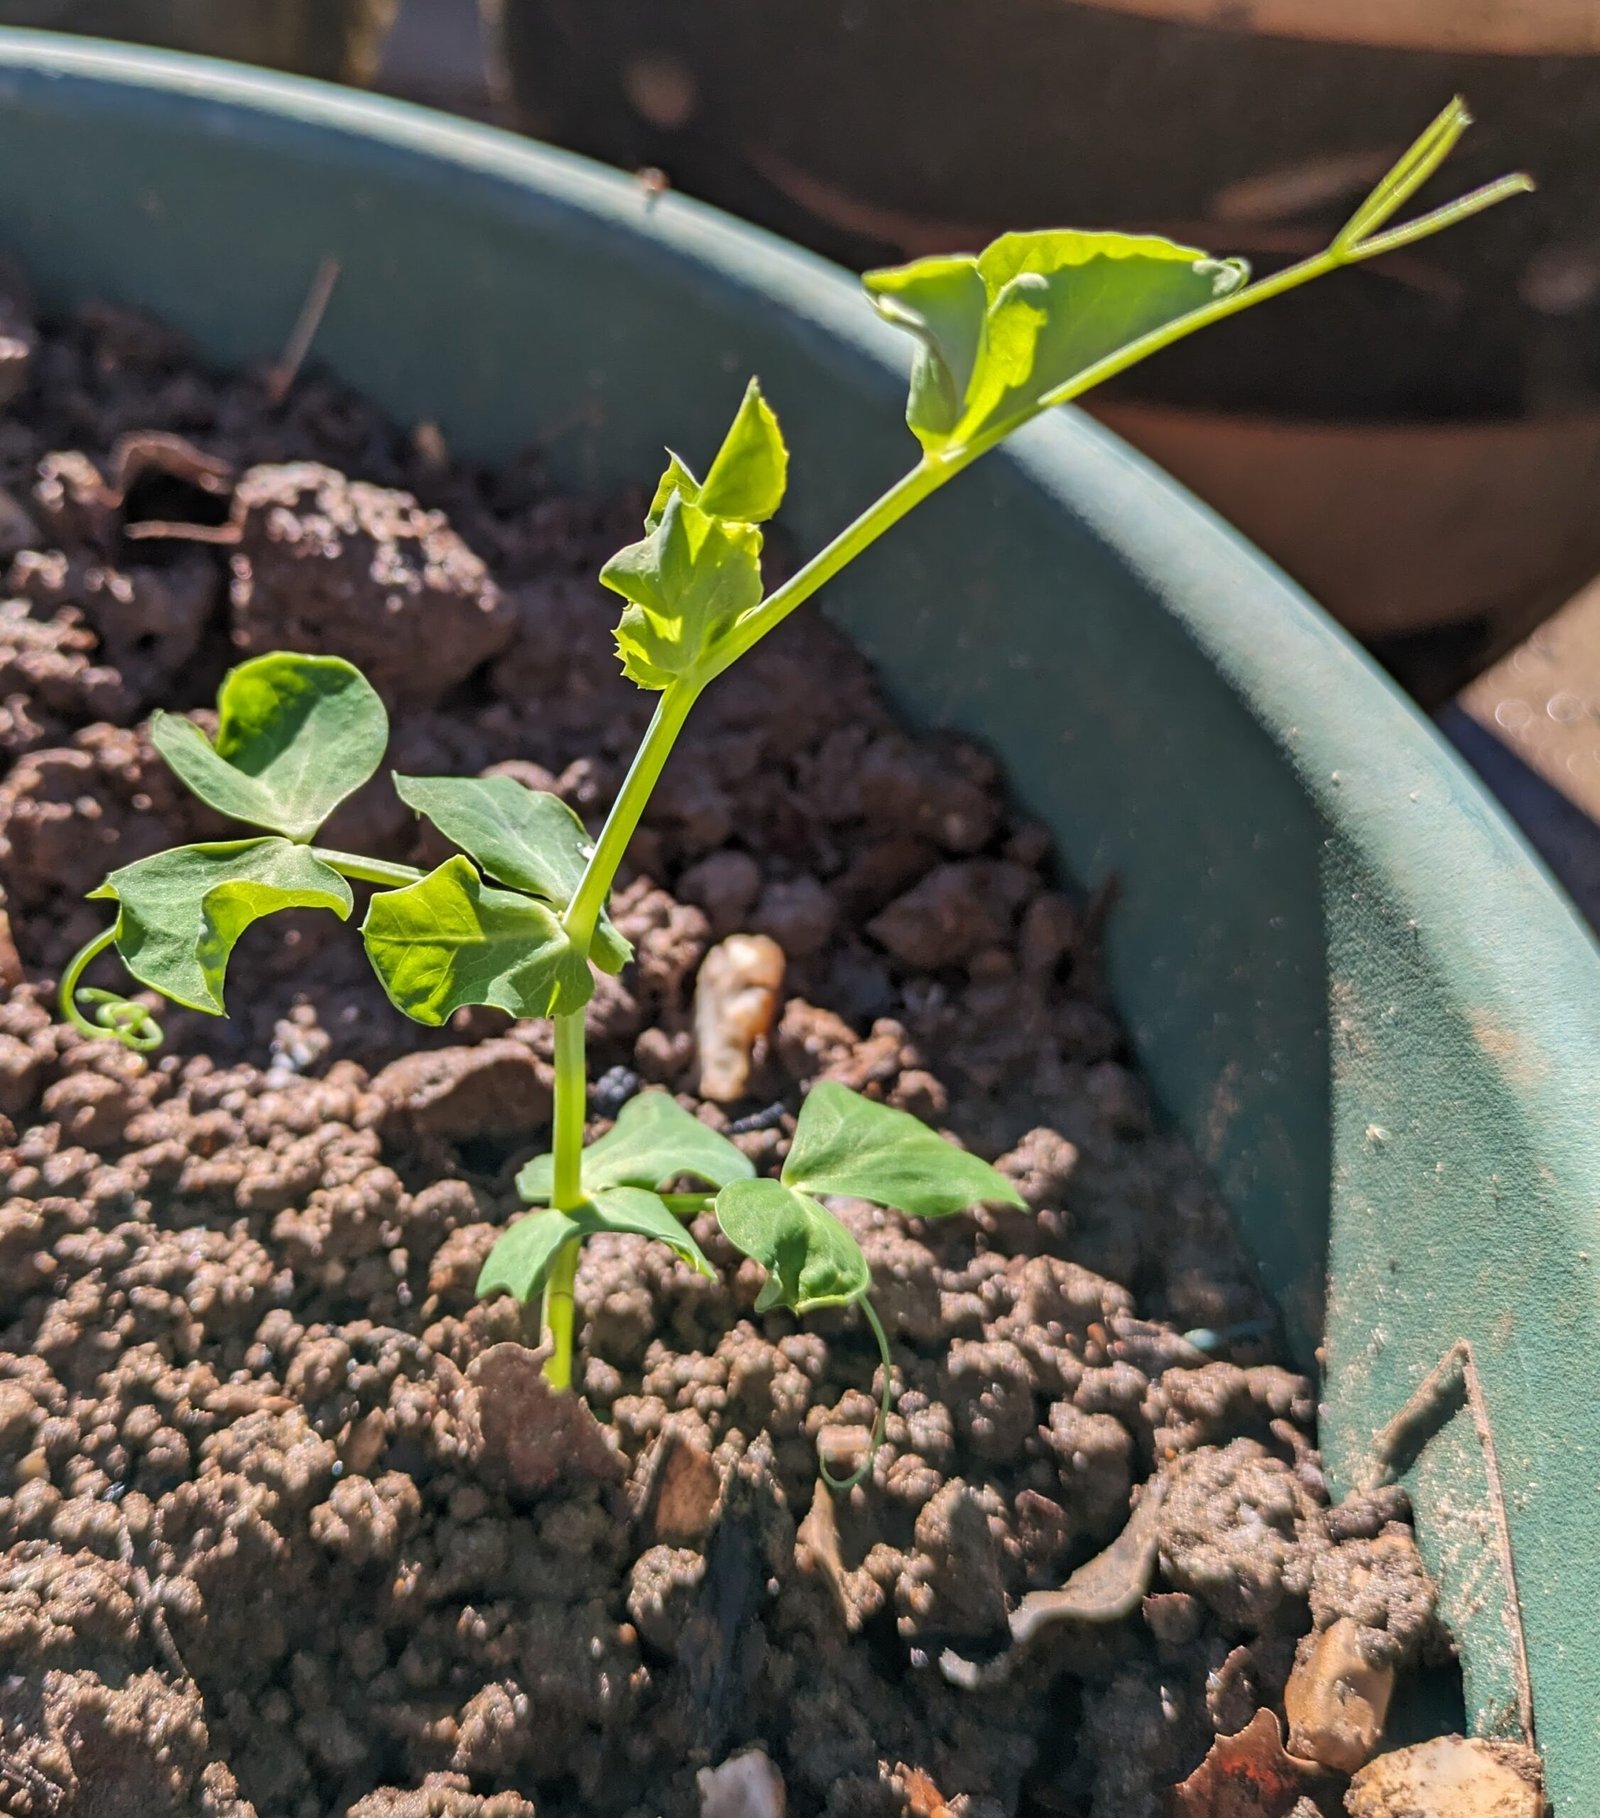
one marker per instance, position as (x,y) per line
(339,40)
(879,129)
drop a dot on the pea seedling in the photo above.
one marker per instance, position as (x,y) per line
(517,919)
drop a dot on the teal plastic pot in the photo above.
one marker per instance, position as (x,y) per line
(1350,982)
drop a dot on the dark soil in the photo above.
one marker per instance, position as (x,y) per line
(291,1527)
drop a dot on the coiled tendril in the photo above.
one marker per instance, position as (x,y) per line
(119,1019)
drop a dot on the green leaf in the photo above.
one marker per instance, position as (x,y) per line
(520,1261)
(182,911)
(521,1258)
(629,1209)
(295,736)
(450,939)
(846,1144)
(686,582)
(810,1258)
(748,476)
(525,837)
(677,478)
(1002,331)
(942,302)
(653,1141)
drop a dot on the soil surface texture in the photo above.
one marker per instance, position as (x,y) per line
(289,1526)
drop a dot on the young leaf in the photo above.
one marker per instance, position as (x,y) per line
(629,1209)
(810,1258)
(525,837)
(520,1261)
(1001,331)
(942,301)
(182,911)
(522,1254)
(653,1141)
(748,476)
(450,939)
(295,736)
(846,1144)
(686,582)
(678,478)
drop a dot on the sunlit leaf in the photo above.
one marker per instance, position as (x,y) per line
(678,478)
(525,837)
(686,583)
(847,1144)
(295,736)
(520,1261)
(747,478)
(942,301)
(652,1143)
(1002,331)
(810,1258)
(182,911)
(450,939)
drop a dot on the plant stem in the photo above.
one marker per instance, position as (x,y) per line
(930,473)
(885,1399)
(927,477)
(366,870)
(643,774)
(909,490)
(571,1102)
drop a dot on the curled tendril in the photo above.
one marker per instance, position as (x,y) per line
(119,1019)
(863,1470)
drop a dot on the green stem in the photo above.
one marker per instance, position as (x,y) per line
(367,870)
(687,1205)
(583,913)
(908,491)
(861,1471)
(571,1103)
(932,472)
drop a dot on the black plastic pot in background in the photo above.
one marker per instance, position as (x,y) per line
(339,40)
(878,129)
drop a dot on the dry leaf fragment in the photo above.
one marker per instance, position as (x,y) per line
(1245,1776)
(923,1798)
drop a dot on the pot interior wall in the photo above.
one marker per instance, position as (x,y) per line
(1348,980)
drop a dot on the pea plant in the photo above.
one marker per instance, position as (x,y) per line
(517,918)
